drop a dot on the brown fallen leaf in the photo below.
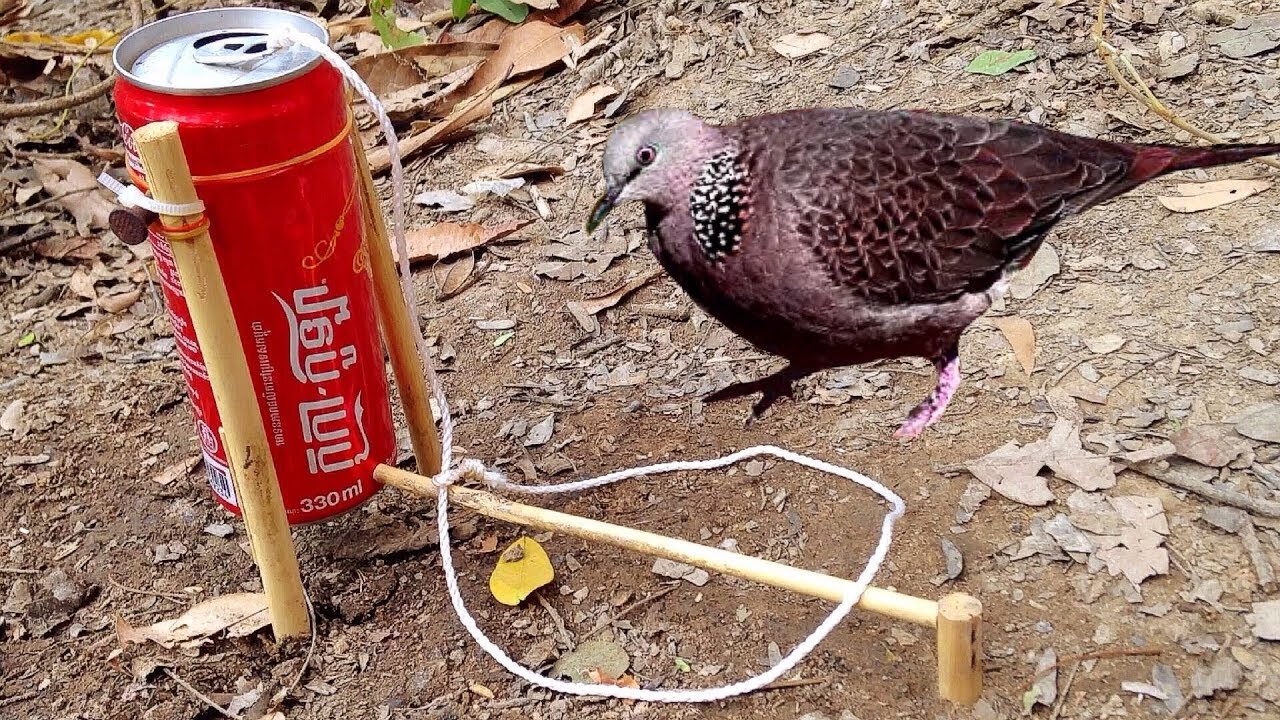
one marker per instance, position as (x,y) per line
(57,248)
(177,471)
(239,614)
(1195,197)
(446,239)
(599,677)
(77,190)
(389,72)
(530,46)
(454,277)
(119,302)
(798,45)
(1211,445)
(476,108)
(81,283)
(557,15)
(584,106)
(11,11)
(1022,339)
(538,4)
(595,305)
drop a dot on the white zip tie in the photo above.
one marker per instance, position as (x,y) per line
(130,196)
(474,469)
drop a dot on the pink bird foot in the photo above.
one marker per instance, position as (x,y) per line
(928,412)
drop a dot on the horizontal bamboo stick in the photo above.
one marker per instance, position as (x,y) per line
(893,604)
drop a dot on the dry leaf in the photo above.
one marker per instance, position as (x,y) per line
(78,191)
(11,11)
(1014,471)
(177,470)
(522,568)
(452,278)
(584,106)
(1194,197)
(446,239)
(594,305)
(1043,266)
(1009,471)
(120,302)
(539,4)
(530,46)
(798,45)
(1213,445)
(389,72)
(1022,339)
(473,110)
(81,283)
(57,248)
(239,614)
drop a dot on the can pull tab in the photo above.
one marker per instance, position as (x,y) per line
(232,48)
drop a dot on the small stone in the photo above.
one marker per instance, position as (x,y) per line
(1265,620)
(1044,627)
(19,598)
(1230,519)
(846,77)
(953,558)
(1224,674)
(680,571)
(221,530)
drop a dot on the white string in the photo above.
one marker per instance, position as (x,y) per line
(130,196)
(476,470)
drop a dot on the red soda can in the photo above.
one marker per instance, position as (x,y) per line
(268,136)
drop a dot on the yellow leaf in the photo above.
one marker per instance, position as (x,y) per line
(522,568)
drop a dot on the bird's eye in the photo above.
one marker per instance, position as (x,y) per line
(646,155)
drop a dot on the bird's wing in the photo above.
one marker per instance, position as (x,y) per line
(910,207)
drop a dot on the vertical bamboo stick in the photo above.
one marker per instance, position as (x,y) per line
(960,648)
(248,452)
(397,323)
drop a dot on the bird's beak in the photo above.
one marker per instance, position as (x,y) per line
(602,207)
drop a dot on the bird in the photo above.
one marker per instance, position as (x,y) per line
(834,237)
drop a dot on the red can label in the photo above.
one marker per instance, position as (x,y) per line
(276,171)
(199,389)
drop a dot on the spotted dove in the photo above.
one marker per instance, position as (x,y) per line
(834,237)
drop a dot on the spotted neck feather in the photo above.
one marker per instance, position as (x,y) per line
(718,204)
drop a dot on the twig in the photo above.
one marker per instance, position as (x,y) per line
(559,622)
(177,598)
(311,649)
(1062,696)
(1265,508)
(19,571)
(799,682)
(9,111)
(1096,655)
(618,615)
(199,696)
(14,700)
(1139,88)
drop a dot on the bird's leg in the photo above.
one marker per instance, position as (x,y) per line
(771,387)
(928,412)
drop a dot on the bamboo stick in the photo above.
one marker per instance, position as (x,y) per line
(253,471)
(397,324)
(960,648)
(884,602)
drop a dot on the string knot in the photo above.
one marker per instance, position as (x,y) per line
(468,469)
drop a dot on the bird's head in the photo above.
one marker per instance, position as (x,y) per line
(651,157)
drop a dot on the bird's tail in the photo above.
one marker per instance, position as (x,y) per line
(1153,161)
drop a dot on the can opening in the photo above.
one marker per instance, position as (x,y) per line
(230,48)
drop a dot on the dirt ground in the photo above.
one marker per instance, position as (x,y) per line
(1156,337)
